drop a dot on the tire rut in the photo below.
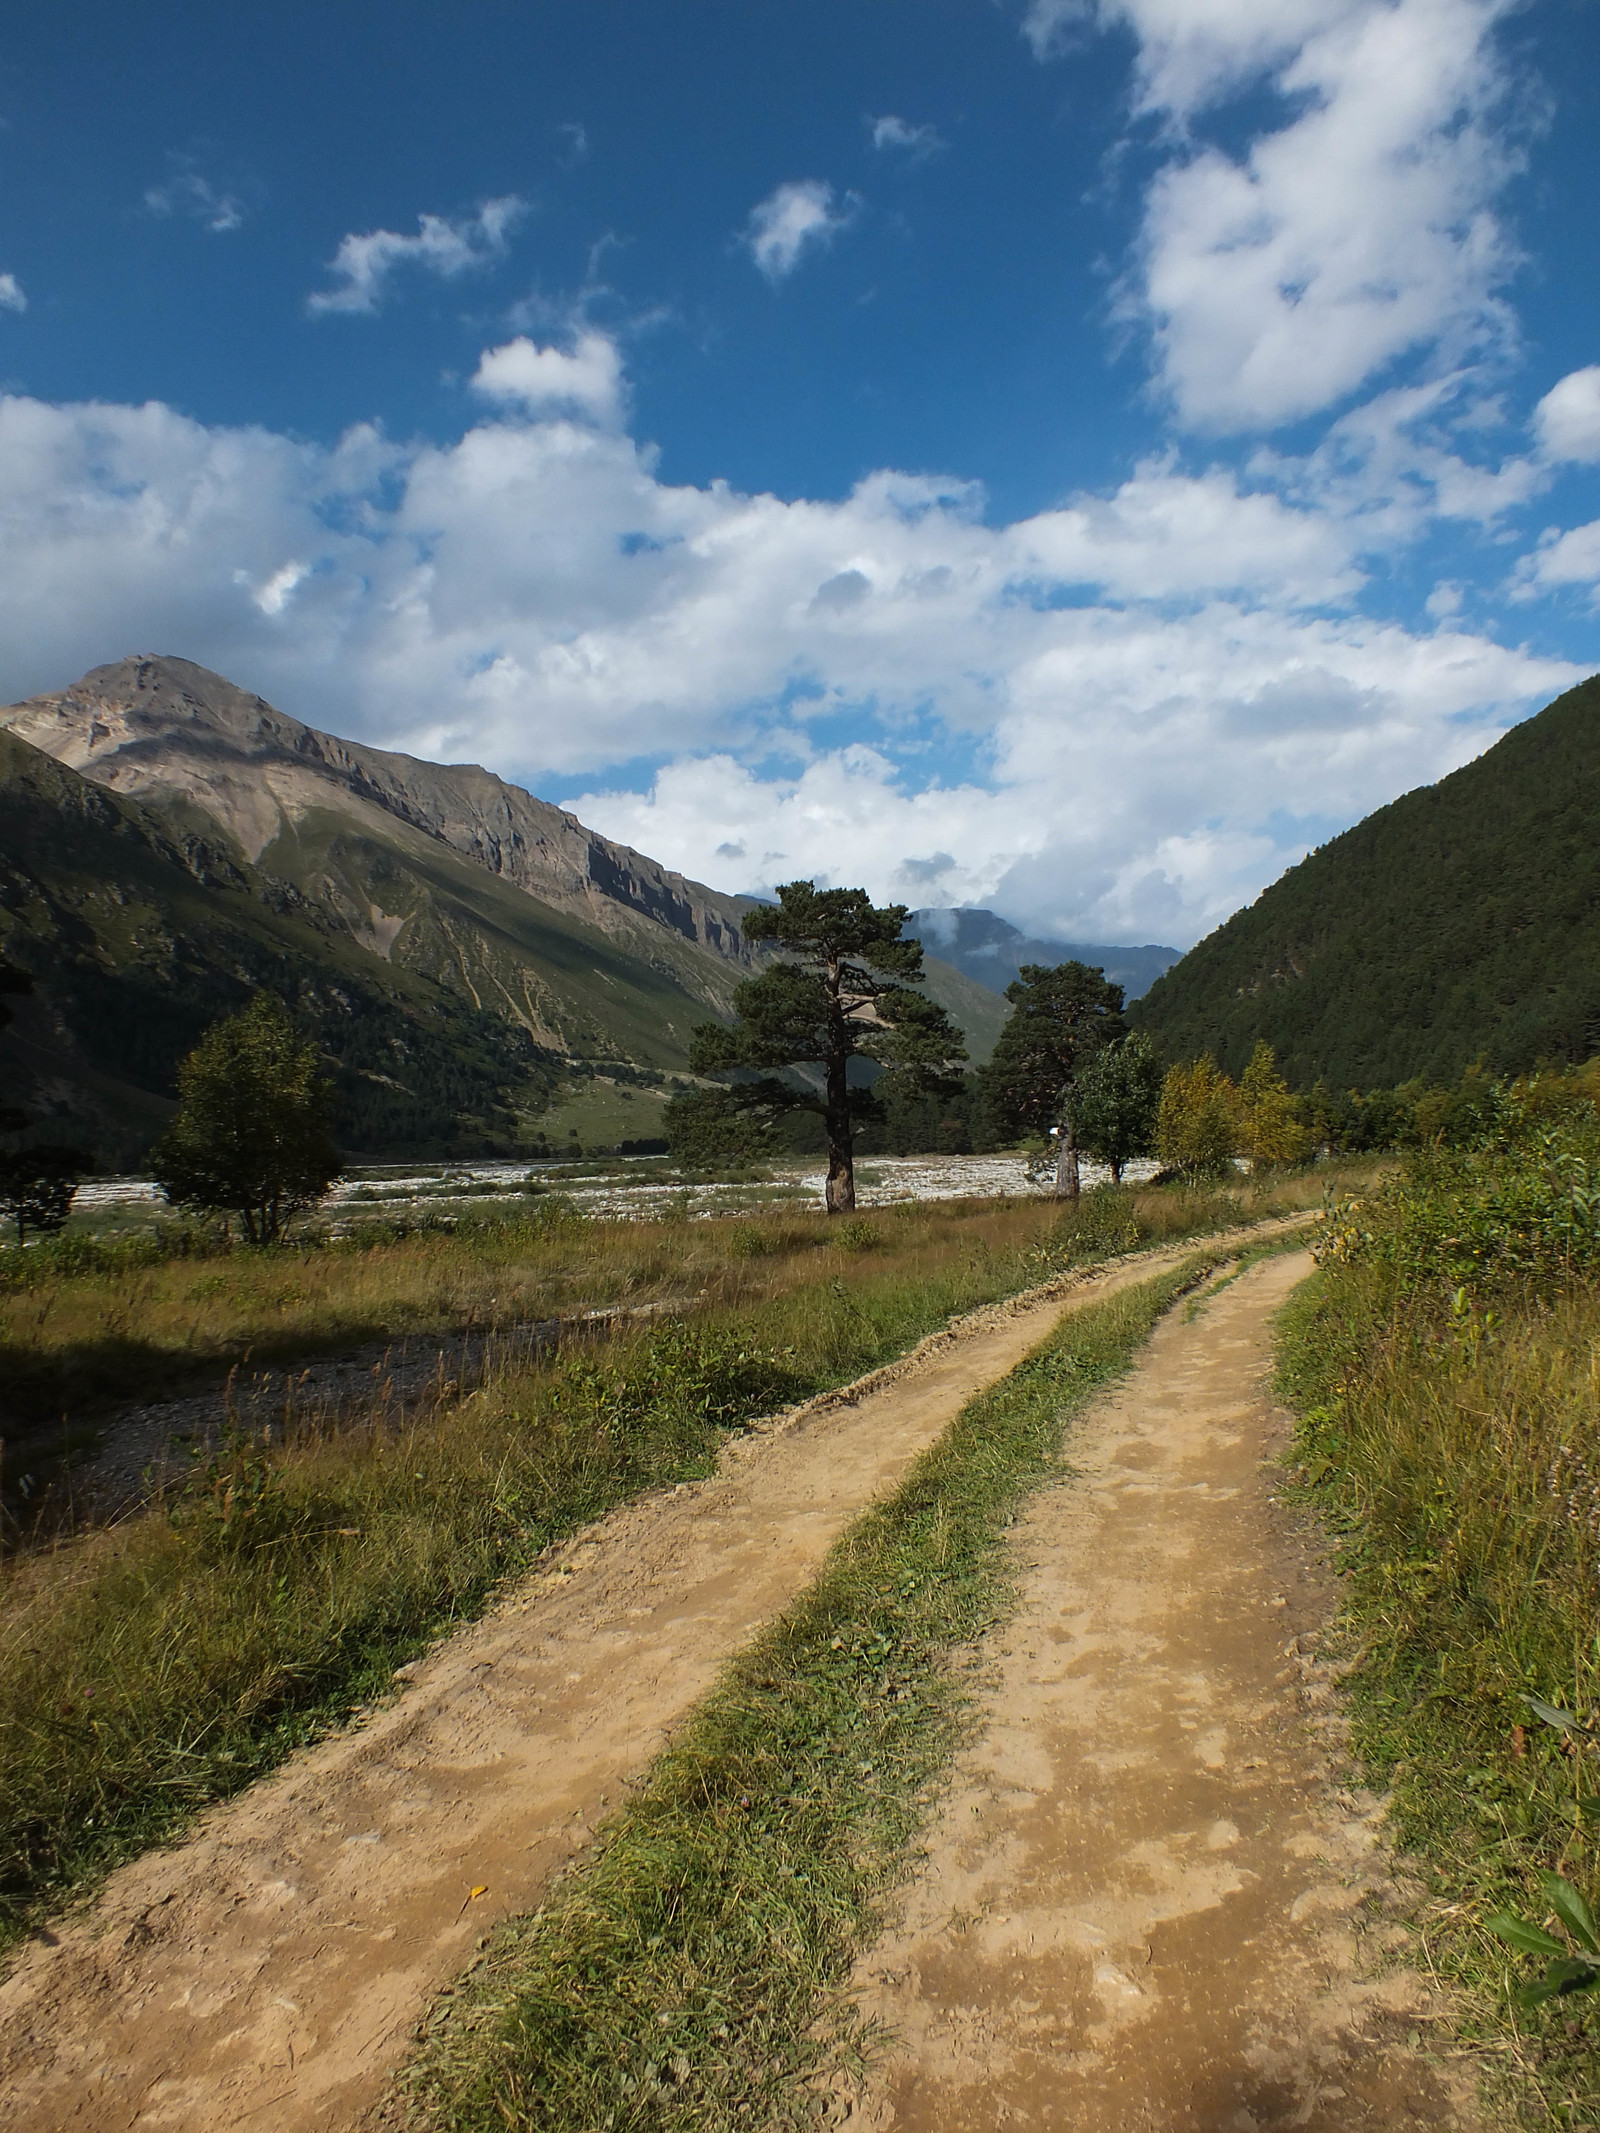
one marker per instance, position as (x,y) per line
(1145,1904)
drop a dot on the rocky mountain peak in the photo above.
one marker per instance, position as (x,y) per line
(161,728)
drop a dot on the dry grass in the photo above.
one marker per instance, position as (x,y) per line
(156,1317)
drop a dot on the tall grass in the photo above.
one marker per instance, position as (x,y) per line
(1446,1362)
(87,1324)
(158,1665)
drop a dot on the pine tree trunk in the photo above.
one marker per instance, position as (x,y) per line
(1067,1185)
(841,1174)
(841,1189)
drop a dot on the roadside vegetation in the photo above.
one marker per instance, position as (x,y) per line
(165,1661)
(1446,1364)
(690,1976)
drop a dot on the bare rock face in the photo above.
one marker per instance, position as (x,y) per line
(161,728)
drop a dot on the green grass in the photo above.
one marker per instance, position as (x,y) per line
(601,1113)
(151,1668)
(1447,1374)
(690,1977)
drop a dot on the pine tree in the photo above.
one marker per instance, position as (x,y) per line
(1060,1018)
(842,994)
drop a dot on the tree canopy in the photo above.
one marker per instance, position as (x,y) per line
(37,1185)
(823,1028)
(1060,1018)
(252,1136)
(1199,1124)
(1272,1132)
(1114,1102)
(1462,922)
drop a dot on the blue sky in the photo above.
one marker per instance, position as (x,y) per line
(1068,456)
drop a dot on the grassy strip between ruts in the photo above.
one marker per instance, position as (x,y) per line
(690,1976)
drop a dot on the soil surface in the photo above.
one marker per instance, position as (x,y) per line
(269,1972)
(1146,1907)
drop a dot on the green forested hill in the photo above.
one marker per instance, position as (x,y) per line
(1461,922)
(138,937)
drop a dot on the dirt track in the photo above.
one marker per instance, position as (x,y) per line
(1140,1907)
(268,1972)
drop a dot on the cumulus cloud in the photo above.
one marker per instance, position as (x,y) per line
(1277,280)
(11,296)
(587,379)
(188,192)
(898,134)
(793,220)
(365,264)
(1091,716)
(1560,562)
(1567,420)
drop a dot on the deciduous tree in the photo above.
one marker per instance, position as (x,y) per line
(841,994)
(1273,1134)
(1114,1102)
(1198,1125)
(37,1185)
(252,1136)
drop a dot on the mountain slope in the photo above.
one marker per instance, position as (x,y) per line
(991,951)
(589,947)
(1461,921)
(137,938)
(210,756)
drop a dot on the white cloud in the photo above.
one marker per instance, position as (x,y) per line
(794,219)
(1094,717)
(187,192)
(364,264)
(1560,561)
(1164,535)
(588,379)
(11,296)
(1567,420)
(1277,281)
(917,142)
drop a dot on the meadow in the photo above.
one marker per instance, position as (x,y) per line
(158,1663)
(1446,1364)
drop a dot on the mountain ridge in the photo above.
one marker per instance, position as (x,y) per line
(438,892)
(991,951)
(1459,922)
(158,727)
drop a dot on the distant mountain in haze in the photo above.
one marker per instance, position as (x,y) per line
(984,946)
(1461,922)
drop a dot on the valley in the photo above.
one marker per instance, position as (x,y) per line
(380,1608)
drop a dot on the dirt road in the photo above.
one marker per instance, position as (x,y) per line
(267,1974)
(1139,1909)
